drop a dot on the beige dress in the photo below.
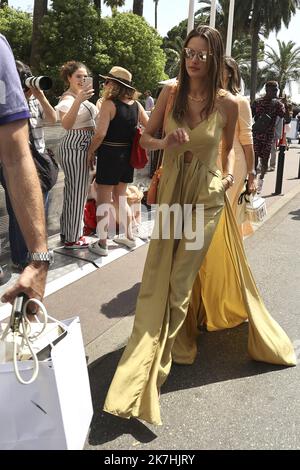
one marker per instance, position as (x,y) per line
(162,330)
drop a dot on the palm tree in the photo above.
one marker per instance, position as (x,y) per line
(173,52)
(114,4)
(285,64)
(222,13)
(138,6)
(39,10)
(257,17)
(97,5)
(155,12)
(264,16)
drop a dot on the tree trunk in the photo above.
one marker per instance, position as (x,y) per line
(97,4)
(40,9)
(156,3)
(254,52)
(138,6)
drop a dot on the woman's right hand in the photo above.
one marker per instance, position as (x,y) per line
(86,93)
(175,138)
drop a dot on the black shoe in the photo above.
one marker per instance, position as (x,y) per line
(62,238)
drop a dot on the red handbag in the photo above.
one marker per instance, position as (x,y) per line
(138,155)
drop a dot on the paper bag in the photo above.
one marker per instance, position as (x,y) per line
(55,411)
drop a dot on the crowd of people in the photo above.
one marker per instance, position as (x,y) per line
(209,151)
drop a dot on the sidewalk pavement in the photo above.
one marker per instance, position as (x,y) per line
(223,401)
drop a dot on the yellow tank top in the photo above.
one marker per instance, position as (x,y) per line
(204,140)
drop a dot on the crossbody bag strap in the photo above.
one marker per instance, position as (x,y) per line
(169,106)
(88,108)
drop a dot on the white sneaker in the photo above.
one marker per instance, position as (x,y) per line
(259,185)
(121,240)
(97,249)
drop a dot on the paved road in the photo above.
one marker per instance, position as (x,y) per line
(225,400)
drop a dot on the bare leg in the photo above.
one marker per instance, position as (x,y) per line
(104,197)
(122,208)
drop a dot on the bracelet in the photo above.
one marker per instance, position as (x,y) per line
(231,178)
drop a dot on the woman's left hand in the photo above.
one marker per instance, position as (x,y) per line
(251,184)
(227,182)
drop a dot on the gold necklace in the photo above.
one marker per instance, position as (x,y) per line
(198,100)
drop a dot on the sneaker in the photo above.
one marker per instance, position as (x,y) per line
(272,168)
(259,185)
(121,240)
(98,249)
(81,243)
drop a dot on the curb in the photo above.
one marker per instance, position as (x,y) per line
(275,207)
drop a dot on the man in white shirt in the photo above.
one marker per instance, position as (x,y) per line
(149,101)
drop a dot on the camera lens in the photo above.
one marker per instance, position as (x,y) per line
(41,83)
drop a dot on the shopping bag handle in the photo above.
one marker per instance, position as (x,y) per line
(27,341)
(19,317)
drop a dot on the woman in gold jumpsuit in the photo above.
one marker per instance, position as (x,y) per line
(201,113)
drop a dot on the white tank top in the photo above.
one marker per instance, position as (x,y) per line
(86,114)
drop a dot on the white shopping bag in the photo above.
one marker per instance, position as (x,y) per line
(55,411)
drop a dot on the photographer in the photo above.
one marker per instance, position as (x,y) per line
(40,111)
(21,178)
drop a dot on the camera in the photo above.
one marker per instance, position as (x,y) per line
(40,83)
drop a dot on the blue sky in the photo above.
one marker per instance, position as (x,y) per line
(171,12)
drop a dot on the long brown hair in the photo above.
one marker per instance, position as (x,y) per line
(215,72)
(118,92)
(234,75)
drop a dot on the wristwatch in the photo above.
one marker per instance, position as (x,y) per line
(46,256)
(252,172)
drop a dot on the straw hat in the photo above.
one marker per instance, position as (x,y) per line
(120,75)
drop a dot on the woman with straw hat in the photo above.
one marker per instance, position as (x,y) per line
(119,115)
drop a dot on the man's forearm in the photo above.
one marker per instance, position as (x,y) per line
(23,184)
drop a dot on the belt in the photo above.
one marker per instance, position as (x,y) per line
(116,144)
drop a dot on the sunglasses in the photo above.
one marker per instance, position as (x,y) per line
(191,54)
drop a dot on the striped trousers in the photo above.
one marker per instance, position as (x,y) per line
(73,158)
